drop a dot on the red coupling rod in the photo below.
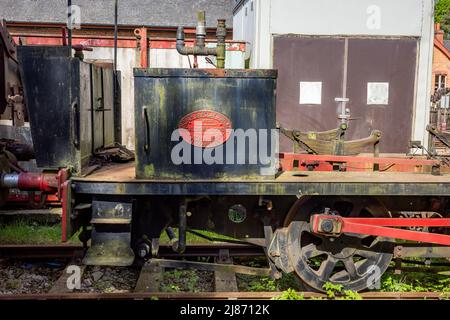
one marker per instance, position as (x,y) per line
(330,225)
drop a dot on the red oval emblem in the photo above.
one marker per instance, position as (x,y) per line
(205,128)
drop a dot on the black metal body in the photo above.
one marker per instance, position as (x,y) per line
(123,209)
(70,116)
(11,99)
(269,188)
(164,96)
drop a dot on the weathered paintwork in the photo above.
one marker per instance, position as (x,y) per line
(321,59)
(70,116)
(264,188)
(164,96)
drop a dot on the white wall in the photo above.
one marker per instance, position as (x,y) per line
(244,25)
(396,18)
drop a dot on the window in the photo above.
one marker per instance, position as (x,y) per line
(440,81)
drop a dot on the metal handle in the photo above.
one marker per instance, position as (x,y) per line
(147,129)
(75,124)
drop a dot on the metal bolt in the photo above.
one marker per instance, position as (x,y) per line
(274,253)
(143,250)
(142,253)
(327,225)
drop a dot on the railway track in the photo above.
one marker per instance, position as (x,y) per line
(215,296)
(71,251)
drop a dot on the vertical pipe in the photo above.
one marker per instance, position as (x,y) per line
(115,34)
(69,22)
(200,30)
(182,228)
(117,112)
(69,67)
(144,48)
(221,33)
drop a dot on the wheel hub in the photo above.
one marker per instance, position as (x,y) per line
(338,248)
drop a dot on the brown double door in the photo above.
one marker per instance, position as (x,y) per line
(376,75)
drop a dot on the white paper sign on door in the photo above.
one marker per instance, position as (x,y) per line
(378,93)
(310,92)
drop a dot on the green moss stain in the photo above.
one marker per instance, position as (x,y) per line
(149,170)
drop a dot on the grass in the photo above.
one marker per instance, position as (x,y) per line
(187,281)
(260,284)
(415,282)
(26,232)
(22,231)
(333,292)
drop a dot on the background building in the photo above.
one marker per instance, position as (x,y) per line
(376,53)
(147,35)
(441,60)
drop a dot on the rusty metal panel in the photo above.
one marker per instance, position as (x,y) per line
(307,59)
(47,87)
(391,61)
(98,105)
(171,99)
(85,113)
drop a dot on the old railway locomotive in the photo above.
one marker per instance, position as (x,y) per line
(206,158)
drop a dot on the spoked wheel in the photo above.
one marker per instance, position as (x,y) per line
(354,261)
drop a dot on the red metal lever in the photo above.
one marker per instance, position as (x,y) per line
(335,225)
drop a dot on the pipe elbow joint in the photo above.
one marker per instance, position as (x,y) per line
(181,48)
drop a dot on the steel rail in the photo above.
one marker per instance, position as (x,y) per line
(214,296)
(54,251)
(70,250)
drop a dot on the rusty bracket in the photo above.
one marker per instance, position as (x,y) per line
(313,162)
(424,251)
(441,136)
(7,41)
(142,44)
(330,142)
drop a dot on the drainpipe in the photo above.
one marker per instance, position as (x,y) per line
(199,49)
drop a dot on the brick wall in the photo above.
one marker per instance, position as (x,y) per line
(441,60)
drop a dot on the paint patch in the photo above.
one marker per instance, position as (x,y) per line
(310,92)
(378,93)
